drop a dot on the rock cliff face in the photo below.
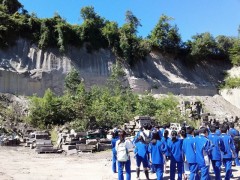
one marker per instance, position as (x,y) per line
(27,70)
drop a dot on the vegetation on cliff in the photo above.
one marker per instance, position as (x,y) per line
(96,32)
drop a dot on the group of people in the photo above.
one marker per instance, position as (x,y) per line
(189,151)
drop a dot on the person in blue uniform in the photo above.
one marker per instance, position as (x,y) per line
(189,152)
(175,149)
(203,148)
(233,133)
(229,150)
(114,153)
(157,148)
(215,153)
(141,154)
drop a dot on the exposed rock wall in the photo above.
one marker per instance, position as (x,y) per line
(232,96)
(27,70)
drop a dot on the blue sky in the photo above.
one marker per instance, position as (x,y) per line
(219,17)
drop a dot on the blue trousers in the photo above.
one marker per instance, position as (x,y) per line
(193,168)
(228,168)
(204,173)
(216,164)
(173,169)
(127,166)
(114,161)
(159,171)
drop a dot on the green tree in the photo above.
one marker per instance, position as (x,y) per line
(234,53)
(204,46)
(45,111)
(165,36)
(12,6)
(72,81)
(132,48)
(224,44)
(91,29)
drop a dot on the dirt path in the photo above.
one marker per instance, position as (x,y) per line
(19,163)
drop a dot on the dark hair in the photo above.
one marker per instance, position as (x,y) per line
(155,136)
(203,130)
(183,133)
(231,125)
(121,134)
(174,133)
(166,133)
(189,130)
(224,129)
(212,128)
(196,132)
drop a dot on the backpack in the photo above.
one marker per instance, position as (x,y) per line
(236,141)
(122,152)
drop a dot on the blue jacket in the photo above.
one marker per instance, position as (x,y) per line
(175,149)
(202,150)
(113,143)
(217,146)
(228,145)
(189,149)
(157,150)
(233,132)
(141,149)
(168,142)
(218,132)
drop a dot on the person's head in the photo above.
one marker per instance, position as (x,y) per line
(145,126)
(213,128)
(189,130)
(183,133)
(196,132)
(166,133)
(224,129)
(155,136)
(231,125)
(174,135)
(204,131)
(149,127)
(121,134)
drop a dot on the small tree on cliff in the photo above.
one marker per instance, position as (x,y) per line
(72,81)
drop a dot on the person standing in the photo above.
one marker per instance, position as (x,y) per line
(176,156)
(234,133)
(202,153)
(228,153)
(215,153)
(156,149)
(114,152)
(123,148)
(141,154)
(189,151)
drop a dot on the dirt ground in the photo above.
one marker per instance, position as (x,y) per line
(20,163)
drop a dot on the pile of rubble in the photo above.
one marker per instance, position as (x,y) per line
(74,142)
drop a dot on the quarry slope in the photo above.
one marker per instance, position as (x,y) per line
(27,70)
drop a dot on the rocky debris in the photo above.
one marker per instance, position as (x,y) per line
(90,141)
(139,121)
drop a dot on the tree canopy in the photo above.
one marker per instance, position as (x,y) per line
(96,32)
